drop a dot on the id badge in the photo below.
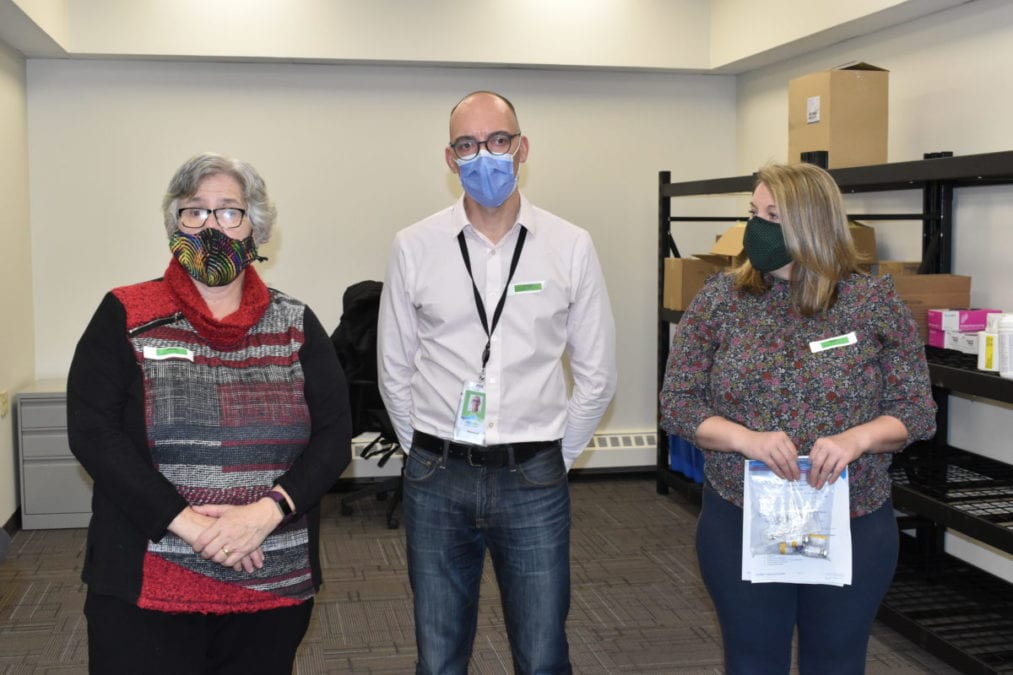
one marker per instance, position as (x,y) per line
(469,427)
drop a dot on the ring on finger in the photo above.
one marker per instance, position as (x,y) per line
(225,550)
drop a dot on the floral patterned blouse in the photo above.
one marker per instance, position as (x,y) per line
(747,358)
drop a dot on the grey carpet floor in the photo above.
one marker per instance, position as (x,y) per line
(638,605)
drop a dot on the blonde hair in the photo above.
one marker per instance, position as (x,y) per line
(816,233)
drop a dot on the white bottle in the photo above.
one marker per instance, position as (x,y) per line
(1006,346)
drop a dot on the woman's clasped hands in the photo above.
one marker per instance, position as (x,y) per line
(829,456)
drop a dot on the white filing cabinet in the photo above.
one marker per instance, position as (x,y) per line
(55,489)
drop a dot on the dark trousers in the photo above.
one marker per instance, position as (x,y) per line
(758,620)
(123,638)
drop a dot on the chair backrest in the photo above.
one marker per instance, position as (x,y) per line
(355,337)
(355,343)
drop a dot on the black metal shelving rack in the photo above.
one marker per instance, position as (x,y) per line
(956,611)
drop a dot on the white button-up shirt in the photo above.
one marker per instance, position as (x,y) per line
(431,338)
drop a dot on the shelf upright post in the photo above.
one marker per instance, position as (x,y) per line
(664,232)
(937,227)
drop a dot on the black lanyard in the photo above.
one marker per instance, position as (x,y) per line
(518,247)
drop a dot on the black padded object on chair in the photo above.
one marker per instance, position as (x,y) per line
(355,343)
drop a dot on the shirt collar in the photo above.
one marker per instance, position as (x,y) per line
(459,218)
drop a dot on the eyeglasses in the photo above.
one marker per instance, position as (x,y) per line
(498,143)
(194,217)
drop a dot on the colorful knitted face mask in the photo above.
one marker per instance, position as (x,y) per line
(211,256)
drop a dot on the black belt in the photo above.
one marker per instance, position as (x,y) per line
(483,455)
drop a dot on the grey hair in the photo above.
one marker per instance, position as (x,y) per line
(186,181)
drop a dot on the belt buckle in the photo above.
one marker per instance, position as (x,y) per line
(470,462)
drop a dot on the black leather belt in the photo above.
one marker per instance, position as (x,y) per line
(483,455)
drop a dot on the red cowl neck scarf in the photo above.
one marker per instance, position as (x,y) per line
(227,332)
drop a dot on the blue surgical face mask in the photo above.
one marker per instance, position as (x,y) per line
(487,178)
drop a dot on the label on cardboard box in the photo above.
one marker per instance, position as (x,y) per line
(812,110)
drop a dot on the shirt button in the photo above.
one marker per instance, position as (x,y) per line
(492,424)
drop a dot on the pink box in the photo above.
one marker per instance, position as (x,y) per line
(937,338)
(963,320)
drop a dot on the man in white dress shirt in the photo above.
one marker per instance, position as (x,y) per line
(482,302)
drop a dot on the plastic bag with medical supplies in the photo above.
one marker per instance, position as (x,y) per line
(789,517)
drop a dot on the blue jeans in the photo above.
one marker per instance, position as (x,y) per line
(758,620)
(453,512)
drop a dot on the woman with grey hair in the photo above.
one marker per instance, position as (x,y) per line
(212,415)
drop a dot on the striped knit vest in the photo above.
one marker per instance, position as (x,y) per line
(222,426)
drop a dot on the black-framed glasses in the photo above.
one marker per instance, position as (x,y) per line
(498,143)
(194,217)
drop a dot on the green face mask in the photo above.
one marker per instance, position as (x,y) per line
(764,244)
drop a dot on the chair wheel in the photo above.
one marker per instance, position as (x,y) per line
(346,510)
(392,523)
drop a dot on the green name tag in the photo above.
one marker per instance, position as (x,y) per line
(527,287)
(818,346)
(164,353)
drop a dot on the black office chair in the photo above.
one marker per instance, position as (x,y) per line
(355,343)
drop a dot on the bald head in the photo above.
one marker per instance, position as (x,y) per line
(484,105)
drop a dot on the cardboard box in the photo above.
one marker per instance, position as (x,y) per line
(684,277)
(922,292)
(728,250)
(896,267)
(844,111)
(962,320)
(865,241)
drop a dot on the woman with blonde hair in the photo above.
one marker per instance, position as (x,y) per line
(744,382)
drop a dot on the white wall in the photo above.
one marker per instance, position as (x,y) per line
(582,33)
(948,91)
(350,154)
(17,326)
(751,33)
(676,35)
(50,16)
